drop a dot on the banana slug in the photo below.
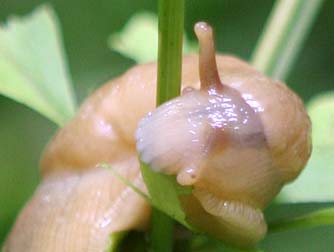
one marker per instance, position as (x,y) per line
(235,135)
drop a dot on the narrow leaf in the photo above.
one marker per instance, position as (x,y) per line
(164,191)
(323,217)
(166,202)
(284,35)
(33,69)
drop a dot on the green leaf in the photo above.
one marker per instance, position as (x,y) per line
(165,191)
(277,212)
(166,201)
(322,217)
(33,69)
(133,42)
(316,181)
(321,111)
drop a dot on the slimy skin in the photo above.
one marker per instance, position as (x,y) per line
(236,143)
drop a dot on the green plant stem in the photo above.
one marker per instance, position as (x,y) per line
(282,39)
(162,232)
(171,22)
(323,217)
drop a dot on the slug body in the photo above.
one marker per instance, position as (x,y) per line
(235,135)
(237,140)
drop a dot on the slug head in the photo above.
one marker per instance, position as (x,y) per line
(215,139)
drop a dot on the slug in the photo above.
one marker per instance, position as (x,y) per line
(236,139)
(234,135)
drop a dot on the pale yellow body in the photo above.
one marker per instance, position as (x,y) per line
(77,205)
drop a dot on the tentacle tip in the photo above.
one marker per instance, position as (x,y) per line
(202,28)
(208,70)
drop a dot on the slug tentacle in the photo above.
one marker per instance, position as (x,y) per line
(208,72)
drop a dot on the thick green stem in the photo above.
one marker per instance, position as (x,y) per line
(282,39)
(171,22)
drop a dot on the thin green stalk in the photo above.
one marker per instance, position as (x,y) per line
(171,22)
(323,217)
(284,34)
(162,232)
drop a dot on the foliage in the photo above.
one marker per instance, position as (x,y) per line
(132,40)
(33,70)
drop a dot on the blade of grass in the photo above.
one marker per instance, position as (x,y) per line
(318,218)
(283,36)
(171,21)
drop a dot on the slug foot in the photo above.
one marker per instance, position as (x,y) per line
(239,221)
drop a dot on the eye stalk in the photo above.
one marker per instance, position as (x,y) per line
(208,71)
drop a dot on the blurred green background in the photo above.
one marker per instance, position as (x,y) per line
(86,26)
